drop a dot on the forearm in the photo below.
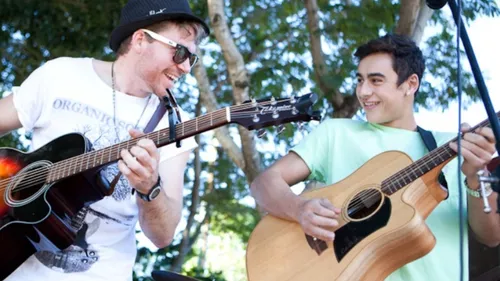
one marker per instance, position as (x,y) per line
(274,195)
(486,227)
(159,218)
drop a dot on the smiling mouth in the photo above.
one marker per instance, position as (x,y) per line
(370,105)
(172,78)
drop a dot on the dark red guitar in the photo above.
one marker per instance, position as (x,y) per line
(44,190)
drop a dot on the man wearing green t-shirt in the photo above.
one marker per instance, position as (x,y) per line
(389,73)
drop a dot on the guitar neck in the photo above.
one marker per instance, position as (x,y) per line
(97,158)
(423,165)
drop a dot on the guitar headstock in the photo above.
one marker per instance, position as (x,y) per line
(258,114)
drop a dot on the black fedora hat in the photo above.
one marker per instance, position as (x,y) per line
(137,14)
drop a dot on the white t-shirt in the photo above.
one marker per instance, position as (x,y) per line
(66,95)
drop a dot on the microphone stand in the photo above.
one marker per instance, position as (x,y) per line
(483,91)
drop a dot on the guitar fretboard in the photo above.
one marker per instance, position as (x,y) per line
(423,165)
(93,159)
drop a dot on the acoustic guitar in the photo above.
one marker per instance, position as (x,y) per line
(44,190)
(381,227)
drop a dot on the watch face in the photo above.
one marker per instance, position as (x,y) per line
(154,192)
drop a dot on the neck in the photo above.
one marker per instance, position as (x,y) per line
(406,123)
(127,81)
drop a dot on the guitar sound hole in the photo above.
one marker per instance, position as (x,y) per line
(364,204)
(28,184)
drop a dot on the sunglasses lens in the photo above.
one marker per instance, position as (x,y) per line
(193,59)
(182,54)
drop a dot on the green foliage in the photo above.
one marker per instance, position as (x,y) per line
(273,38)
(33,32)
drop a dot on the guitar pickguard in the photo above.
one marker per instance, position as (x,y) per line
(349,235)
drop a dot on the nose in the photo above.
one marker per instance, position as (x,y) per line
(185,67)
(364,90)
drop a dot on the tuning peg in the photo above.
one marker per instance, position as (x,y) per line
(261,133)
(254,102)
(280,128)
(255,118)
(275,114)
(273,101)
(293,100)
(294,111)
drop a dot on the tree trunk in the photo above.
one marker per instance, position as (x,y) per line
(413,18)
(240,83)
(344,106)
(210,103)
(424,15)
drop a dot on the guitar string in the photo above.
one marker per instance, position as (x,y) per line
(107,151)
(34,175)
(369,194)
(357,203)
(404,174)
(373,193)
(191,124)
(354,205)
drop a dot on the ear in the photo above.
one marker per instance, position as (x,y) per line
(413,83)
(138,41)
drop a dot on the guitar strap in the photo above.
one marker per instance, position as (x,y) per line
(430,143)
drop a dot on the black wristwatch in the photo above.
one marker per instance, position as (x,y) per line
(152,194)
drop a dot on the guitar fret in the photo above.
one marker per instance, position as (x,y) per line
(439,156)
(102,157)
(118,149)
(88,159)
(95,157)
(62,171)
(76,166)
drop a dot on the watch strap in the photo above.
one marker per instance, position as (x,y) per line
(151,194)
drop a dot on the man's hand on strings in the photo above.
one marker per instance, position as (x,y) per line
(477,149)
(317,217)
(139,164)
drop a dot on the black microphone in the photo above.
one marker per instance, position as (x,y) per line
(436,4)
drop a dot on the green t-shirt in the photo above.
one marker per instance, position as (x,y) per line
(337,147)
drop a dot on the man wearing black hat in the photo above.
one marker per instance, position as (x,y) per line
(109,102)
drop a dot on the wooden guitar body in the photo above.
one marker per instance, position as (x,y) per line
(376,235)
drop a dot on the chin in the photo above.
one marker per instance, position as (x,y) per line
(372,119)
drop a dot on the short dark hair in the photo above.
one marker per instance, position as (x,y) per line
(407,58)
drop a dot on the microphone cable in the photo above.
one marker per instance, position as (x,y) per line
(459,141)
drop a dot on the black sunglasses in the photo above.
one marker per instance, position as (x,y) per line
(181,52)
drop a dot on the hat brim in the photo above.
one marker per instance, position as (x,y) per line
(121,32)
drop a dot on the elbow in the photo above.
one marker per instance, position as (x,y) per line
(491,244)
(494,242)
(491,241)
(256,186)
(163,242)
(253,188)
